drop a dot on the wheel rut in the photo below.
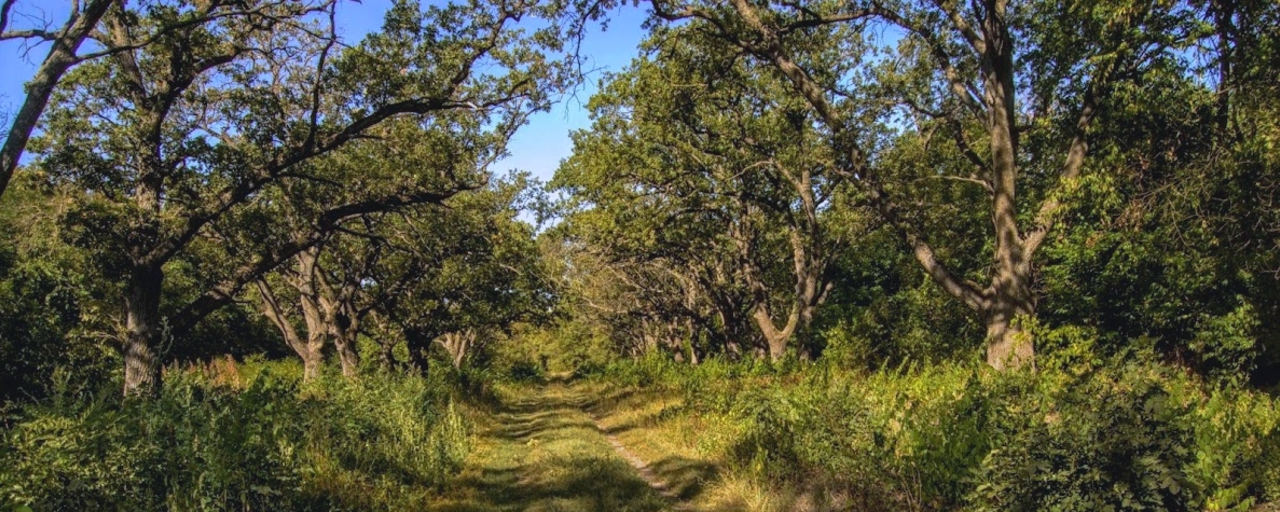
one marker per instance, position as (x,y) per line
(540,451)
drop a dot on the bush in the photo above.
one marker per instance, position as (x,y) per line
(1113,441)
(1122,436)
(525,371)
(214,441)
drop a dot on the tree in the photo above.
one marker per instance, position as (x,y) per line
(465,272)
(1014,90)
(337,282)
(176,137)
(82,25)
(64,43)
(731,176)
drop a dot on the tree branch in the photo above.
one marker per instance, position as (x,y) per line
(61,57)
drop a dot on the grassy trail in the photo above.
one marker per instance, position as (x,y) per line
(541,452)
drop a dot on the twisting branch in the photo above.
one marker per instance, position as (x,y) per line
(62,55)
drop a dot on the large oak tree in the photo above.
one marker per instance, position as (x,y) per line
(175,136)
(1013,89)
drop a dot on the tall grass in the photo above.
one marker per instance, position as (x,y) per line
(1124,436)
(233,437)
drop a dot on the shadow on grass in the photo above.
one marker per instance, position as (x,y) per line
(542,453)
(683,477)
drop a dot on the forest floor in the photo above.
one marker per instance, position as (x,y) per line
(560,447)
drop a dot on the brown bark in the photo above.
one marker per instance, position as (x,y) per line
(775,339)
(808,266)
(142,331)
(345,328)
(62,55)
(690,344)
(386,344)
(386,356)
(650,341)
(1010,290)
(312,315)
(343,325)
(143,289)
(348,355)
(341,311)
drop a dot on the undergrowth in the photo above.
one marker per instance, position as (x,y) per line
(237,437)
(1120,436)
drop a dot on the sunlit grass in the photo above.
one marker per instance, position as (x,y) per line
(950,437)
(539,451)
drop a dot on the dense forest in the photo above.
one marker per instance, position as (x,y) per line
(808,255)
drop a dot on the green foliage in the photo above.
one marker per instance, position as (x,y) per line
(1236,435)
(212,442)
(390,430)
(1115,436)
(891,322)
(758,161)
(565,345)
(47,297)
(1110,442)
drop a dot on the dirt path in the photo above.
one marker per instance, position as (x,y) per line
(643,469)
(543,453)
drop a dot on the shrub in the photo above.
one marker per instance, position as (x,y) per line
(525,371)
(1097,435)
(212,442)
(1112,441)
(1236,442)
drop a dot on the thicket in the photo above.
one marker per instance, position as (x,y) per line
(231,436)
(1121,435)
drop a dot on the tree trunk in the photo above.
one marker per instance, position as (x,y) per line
(650,340)
(691,345)
(1010,296)
(387,345)
(312,314)
(386,356)
(313,361)
(467,339)
(344,340)
(308,351)
(342,323)
(457,344)
(775,339)
(142,331)
(1008,345)
(777,349)
(348,357)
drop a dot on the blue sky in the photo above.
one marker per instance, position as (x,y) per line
(537,148)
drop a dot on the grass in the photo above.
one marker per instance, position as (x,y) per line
(235,437)
(538,450)
(952,438)
(681,447)
(651,437)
